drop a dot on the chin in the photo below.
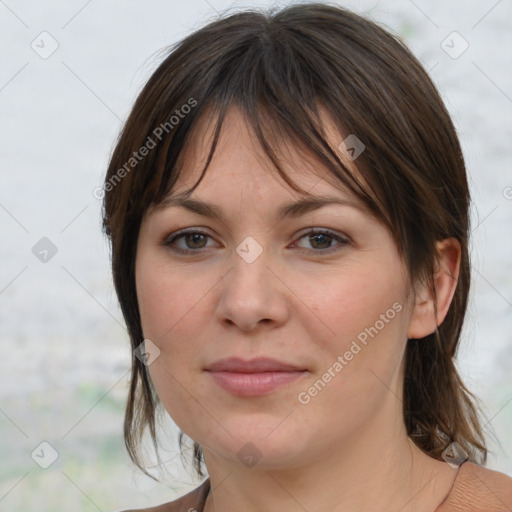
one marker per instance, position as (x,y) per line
(257,440)
(263,454)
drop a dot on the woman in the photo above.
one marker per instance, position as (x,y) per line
(288,212)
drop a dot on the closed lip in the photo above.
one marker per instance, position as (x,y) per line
(256,365)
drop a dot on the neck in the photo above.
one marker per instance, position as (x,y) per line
(379,470)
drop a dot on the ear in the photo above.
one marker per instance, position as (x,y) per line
(426,316)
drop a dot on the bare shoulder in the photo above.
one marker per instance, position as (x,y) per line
(490,479)
(477,489)
(192,502)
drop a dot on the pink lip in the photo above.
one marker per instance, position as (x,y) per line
(252,378)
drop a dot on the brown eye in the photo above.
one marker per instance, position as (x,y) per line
(194,240)
(191,241)
(321,241)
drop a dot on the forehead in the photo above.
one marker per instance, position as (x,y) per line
(240,162)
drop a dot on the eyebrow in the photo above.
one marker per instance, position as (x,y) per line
(295,209)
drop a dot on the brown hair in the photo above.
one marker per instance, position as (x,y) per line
(280,68)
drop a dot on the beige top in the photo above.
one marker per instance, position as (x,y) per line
(475,489)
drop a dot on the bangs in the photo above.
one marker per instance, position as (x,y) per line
(271,75)
(275,135)
(292,79)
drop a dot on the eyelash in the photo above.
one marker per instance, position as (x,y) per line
(169,241)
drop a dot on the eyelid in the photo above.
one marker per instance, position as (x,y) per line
(340,237)
(321,230)
(170,238)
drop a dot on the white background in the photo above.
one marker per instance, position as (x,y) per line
(64,352)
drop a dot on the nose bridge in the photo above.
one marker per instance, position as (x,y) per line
(250,293)
(250,273)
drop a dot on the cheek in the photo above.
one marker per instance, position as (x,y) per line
(360,361)
(359,364)
(353,303)
(168,298)
(174,311)
(172,317)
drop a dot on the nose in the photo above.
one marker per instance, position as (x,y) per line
(252,293)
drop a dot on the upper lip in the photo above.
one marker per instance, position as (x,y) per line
(256,365)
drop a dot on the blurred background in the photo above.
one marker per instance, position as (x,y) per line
(69,73)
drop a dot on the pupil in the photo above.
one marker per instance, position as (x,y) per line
(196,238)
(322,238)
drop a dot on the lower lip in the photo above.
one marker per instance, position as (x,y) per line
(253,384)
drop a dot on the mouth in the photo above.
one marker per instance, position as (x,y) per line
(255,377)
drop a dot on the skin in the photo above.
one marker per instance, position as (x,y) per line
(348,444)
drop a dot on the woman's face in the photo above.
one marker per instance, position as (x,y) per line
(332,308)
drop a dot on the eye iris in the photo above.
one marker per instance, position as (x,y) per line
(198,240)
(193,238)
(322,238)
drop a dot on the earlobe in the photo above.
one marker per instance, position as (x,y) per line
(432,304)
